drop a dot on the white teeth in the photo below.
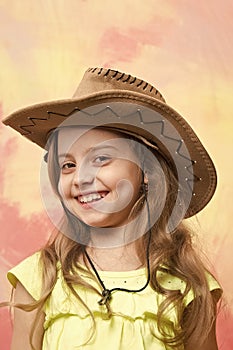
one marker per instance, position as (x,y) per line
(89,198)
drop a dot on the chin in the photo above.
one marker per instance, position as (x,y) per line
(95,222)
(105,221)
(102,223)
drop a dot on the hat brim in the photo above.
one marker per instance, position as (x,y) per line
(36,123)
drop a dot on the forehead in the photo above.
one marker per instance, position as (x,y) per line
(82,139)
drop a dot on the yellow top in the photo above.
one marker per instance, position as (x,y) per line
(68,324)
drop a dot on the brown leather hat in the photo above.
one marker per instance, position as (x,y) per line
(116,100)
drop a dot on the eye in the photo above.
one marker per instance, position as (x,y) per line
(101,160)
(67,167)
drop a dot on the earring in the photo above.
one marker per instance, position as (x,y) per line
(144,188)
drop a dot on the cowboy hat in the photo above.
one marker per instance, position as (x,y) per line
(119,101)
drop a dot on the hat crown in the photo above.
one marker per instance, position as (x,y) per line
(97,80)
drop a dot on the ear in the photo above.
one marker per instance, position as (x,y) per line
(145,179)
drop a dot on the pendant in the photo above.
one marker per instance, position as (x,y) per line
(106,293)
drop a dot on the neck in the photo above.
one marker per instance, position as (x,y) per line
(124,258)
(115,248)
(107,237)
(113,237)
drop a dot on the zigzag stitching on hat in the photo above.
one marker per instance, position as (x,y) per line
(196,178)
(70,113)
(189,181)
(140,116)
(106,108)
(179,148)
(23,127)
(162,132)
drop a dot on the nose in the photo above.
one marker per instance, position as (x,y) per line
(84,175)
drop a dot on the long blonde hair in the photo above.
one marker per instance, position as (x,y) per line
(172,252)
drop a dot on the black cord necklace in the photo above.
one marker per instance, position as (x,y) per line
(107,293)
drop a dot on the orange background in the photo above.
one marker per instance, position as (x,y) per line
(182,47)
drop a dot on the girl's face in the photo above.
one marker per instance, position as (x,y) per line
(100,177)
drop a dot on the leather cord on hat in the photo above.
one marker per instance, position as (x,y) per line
(107,293)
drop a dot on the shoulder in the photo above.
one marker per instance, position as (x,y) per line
(29,273)
(170,281)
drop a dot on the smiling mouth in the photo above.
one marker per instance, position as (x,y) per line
(91,197)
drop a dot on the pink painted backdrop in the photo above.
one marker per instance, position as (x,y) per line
(182,47)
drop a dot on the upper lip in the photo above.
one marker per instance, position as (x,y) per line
(87,193)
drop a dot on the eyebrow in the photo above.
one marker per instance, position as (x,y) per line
(92,149)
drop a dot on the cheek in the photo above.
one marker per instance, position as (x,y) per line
(60,188)
(135,176)
(63,187)
(112,176)
(131,178)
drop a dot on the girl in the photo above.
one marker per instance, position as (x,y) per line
(120,271)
